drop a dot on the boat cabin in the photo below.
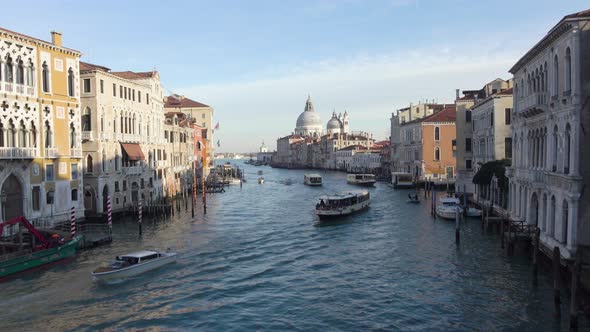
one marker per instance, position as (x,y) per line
(312,178)
(341,200)
(360,177)
(402,180)
(138,257)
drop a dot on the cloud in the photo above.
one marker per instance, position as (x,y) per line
(370,87)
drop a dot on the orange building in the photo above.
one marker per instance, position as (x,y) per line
(427,149)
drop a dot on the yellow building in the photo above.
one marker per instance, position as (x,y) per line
(40,143)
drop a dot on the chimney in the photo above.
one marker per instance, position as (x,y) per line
(457,92)
(56,38)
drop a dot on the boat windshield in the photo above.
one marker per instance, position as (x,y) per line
(449,203)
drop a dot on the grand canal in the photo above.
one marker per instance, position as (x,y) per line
(260,261)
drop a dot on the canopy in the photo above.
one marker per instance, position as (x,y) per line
(133,151)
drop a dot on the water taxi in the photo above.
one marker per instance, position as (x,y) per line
(366,180)
(312,179)
(343,204)
(447,208)
(132,264)
(402,180)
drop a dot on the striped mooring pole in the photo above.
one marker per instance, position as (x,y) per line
(139,216)
(109,214)
(73,221)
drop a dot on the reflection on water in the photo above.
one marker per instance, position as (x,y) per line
(260,260)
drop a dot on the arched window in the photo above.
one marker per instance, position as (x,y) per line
(567,149)
(553,213)
(89,164)
(2,129)
(86,120)
(45,77)
(564,222)
(20,72)
(437,154)
(522,88)
(436,133)
(568,70)
(22,135)
(117,161)
(555,76)
(554,166)
(48,142)
(104,162)
(8,70)
(33,135)
(10,134)
(30,73)
(71,90)
(72,136)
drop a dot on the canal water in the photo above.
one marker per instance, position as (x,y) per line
(259,260)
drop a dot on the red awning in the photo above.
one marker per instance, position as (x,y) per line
(133,151)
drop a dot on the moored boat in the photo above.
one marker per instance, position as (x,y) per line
(312,179)
(447,208)
(342,204)
(41,252)
(365,180)
(132,264)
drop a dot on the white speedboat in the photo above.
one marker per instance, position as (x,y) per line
(343,204)
(132,264)
(261,180)
(312,179)
(447,208)
(473,212)
(234,181)
(366,180)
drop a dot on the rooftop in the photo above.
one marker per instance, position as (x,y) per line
(36,39)
(131,75)
(182,102)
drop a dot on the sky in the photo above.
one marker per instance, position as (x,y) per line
(256,61)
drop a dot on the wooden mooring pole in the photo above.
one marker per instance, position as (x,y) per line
(457,227)
(556,281)
(536,240)
(574,289)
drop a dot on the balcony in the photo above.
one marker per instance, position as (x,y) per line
(51,153)
(133,170)
(105,136)
(130,138)
(17,89)
(87,136)
(76,152)
(533,104)
(18,153)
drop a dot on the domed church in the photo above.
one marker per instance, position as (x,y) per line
(308,122)
(338,124)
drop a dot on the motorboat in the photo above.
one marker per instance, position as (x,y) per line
(473,212)
(447,208)
(366,180)
(343,204)
(402,180)
(261,180)
(132,264)
(234,181)
(312,179)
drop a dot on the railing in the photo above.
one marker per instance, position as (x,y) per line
(87,135)
(76,152)
(30,91)
(536,100)
(51,153)
(106,136)
(133,170)
(18,153)
(8,87)
(20,89)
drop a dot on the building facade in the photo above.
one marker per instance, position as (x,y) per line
(550,165)
(40,149)
(122,138)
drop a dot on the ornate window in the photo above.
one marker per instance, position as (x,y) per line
(568,70)
(555,76)
(89,164)
(22,135)
(564,223)
(8,70)
(48,142)
(20,72)
(86,120)
(554,166)
(10,134)
(72,136)
(45,77)
(30,73)
(567,149)
(71,90)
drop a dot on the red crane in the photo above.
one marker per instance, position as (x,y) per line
(45,244)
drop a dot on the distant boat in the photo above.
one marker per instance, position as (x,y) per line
(339,205)
(312,179)
(288,182)
(413,199)
(133,264)
(261,180)
(365,180)
(259,172)
(234,181)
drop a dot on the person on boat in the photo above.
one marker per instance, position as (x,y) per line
(410,196)
(322,203)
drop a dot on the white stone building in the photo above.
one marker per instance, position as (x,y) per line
(123,137)
(550,124)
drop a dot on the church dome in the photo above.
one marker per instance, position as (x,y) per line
(334,122)
(308,122)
